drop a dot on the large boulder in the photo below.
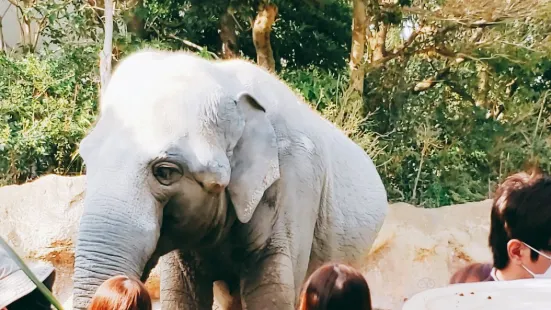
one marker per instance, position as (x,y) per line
(417,248)
(40,221)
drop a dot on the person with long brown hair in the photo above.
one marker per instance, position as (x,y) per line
(121,293)
(335,286)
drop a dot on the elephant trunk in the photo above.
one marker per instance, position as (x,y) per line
(115,238)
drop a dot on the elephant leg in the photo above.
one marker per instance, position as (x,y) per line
(184,284)
(269,284)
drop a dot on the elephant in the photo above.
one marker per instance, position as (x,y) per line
(218,171)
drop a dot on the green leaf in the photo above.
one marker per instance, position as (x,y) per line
(41,287)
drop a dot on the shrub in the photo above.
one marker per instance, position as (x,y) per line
(434,150)
(47,103)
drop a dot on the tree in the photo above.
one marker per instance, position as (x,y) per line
(475,73)
(106,53)
(370,27)
(213,26)
(228,34)
(357,49)
(262,30)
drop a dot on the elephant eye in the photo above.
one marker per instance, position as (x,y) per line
(167,173)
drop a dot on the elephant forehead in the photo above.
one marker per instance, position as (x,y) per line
(154,111)
(169,110)
(149,133)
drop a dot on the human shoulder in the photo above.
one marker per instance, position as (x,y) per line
(474,272)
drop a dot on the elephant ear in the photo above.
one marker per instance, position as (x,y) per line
(255,162)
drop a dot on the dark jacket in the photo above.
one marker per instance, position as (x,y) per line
(475,272)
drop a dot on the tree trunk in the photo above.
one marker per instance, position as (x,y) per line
(2,44)
(357,50)
(26,33)
(262,28)
(106,53)
(134,21)
(483,80)
(227,35)
(379,46)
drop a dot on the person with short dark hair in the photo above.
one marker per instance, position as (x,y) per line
(121,293)
(335,286)
(520,228)
(17,291)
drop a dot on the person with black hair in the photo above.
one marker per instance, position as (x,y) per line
(520,232)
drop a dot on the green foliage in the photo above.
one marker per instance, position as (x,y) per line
(432,148)
(328,93)
(47,104)
(327,23)
(464,153)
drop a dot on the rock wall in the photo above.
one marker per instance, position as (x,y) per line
(40,220)
(417,248)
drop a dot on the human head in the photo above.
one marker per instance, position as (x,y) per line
(520,224)
(121,293)
(335,286)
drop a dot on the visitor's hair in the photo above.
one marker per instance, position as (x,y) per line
(521,210)
(121,293)
(475,272)
(335,286)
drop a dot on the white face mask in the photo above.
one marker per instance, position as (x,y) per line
(547,273)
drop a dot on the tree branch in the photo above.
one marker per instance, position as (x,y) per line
(438,77)
(191,44)
(14,3)
(460,91)
(401,51)
(430,82)
(475,24)
(185,42)
(41,27)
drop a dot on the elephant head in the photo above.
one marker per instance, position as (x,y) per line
(176,137)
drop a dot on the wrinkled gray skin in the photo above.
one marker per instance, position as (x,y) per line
(221,167)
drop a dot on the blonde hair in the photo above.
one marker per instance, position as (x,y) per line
(121,293)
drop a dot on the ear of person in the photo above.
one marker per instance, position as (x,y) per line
(517,251)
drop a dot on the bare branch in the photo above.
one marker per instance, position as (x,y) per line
(191,44)
(14,3)
(41,27)
(438,77)
(399,52)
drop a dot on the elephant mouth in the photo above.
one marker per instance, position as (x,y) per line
(151,263)
(195,231)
